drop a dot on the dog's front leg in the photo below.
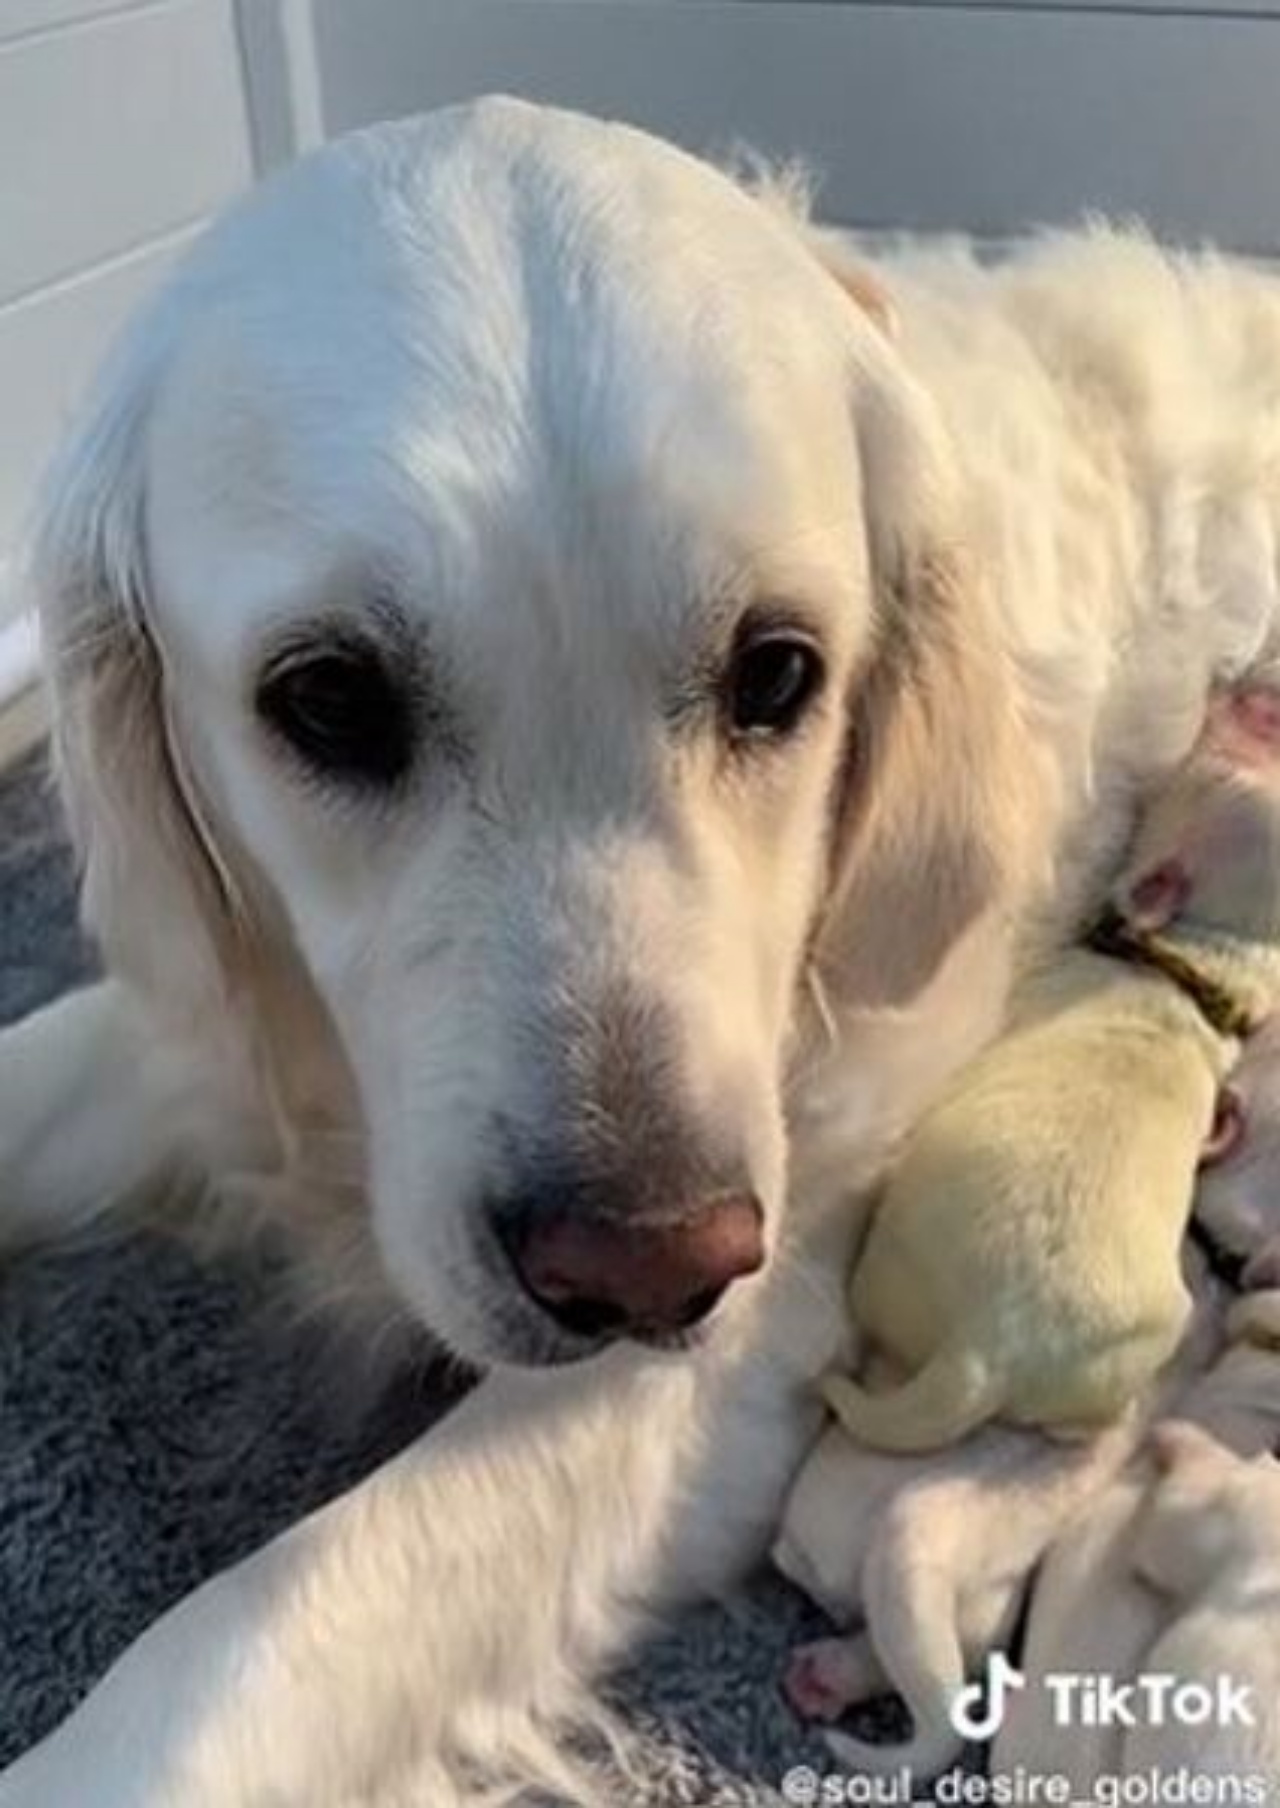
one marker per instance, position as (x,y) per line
(409,1638)
(87,1115)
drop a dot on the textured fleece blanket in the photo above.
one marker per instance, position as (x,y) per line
(157,1421)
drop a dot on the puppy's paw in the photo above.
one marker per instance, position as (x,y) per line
(825,1678)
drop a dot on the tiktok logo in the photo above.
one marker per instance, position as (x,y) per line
(978,1709)
(1157,1698)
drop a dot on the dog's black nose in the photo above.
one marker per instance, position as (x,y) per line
(613,1277)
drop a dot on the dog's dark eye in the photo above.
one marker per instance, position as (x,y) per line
(773,679)
(342,711)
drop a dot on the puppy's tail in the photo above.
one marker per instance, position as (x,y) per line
(930,1751)
(953,1394)
(911,1599)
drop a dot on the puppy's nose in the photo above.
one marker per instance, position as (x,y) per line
(606,1277)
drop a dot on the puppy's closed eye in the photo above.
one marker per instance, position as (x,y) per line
(341,709)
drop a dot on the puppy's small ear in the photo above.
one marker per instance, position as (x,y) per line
(1152,899)
(936,798)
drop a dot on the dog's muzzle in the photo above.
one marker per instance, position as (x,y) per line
(606,1277)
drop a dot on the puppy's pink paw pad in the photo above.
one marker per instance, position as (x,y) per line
(816,1681)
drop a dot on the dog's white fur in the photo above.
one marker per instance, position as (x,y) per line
(559,401)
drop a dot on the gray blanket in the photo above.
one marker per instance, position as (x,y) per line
(157,1421)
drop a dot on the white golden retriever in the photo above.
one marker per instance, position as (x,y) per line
(566,711)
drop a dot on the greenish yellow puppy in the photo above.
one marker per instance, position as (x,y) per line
(1024,1262)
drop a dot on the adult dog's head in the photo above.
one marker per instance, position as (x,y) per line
(509,585)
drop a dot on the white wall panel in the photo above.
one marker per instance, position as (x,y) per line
(121,128)
(49,348)
(122,124)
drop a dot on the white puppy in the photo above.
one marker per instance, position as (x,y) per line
(1208,1539)
(931,1556)
(521,634)
(1092,1614)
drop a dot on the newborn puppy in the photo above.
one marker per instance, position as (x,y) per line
(1091,1612)
(1208,1539)
(1024,1260)
(1238,1188)
(929,1556)
(932,1554)
(1205,863)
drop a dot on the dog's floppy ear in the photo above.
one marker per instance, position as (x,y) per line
(168,894)
(929,822)
(154,892)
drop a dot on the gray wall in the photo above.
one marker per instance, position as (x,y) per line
(931,114)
